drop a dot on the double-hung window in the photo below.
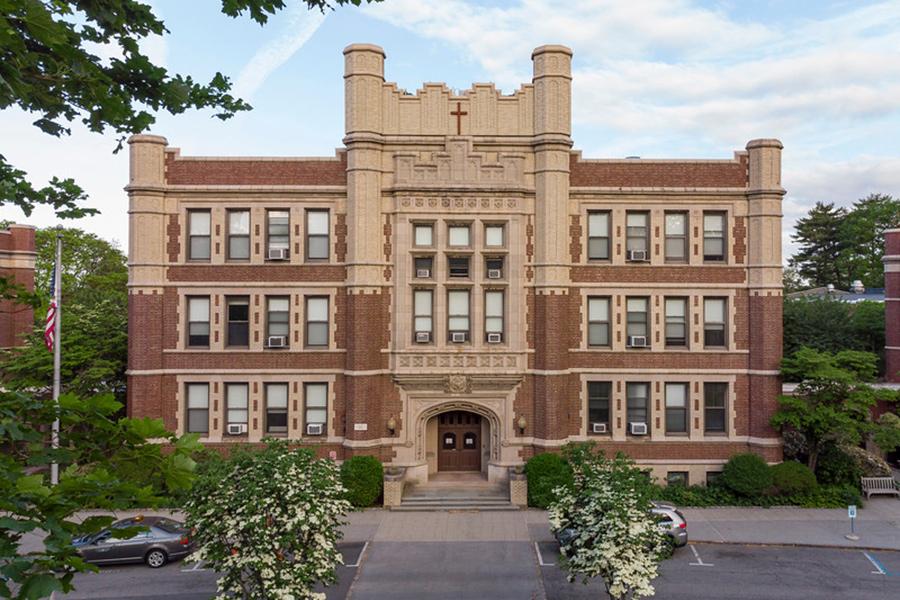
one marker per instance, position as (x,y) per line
(458,235)
(714,236)
(637,235)
(278,232)
(423,235)
(714,402)
(238,313)
(276,408)
(198,234)
(315,402)
(676,237)
(237,404)
(638,403)
(598,321)
(637,328)
(676,408)
(317,228)
(278,321)
(714,321)
(423,307)
(458,266)
(598,403)
(598,235)
(493,316)
(197,407)
(676,322)
(317,321)
(493,236)
(239,234)
(424,267)
(458,315)
(198,321)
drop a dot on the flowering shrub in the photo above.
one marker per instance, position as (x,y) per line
(269,522)
(613,533)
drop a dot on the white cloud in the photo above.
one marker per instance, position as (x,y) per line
(302,25)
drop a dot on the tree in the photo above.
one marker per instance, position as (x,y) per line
(832,403)
(792,281)
(94,319)
(615,536)
(269,521)
(106,463)
(863,235)
(821,246)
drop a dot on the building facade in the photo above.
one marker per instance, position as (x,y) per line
(17,257)
(892,305)
(457,289)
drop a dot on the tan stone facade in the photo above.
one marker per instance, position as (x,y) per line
(457,255)
(17,257)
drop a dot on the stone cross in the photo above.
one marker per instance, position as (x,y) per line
(459,115)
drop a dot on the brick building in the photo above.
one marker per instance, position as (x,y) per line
(457,289)
(892,305)
(16,265)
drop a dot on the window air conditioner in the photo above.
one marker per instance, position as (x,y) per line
(494,338)
(637,428)
(314,428)
(423,337)
(494,273)
(637,341)
(278,254)
(237,428)
(276,341)
(423,273)
(637,255)
(598,427)
(458,337)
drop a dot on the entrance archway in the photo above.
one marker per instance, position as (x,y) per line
(459,441)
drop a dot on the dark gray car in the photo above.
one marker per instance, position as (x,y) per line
(162,541)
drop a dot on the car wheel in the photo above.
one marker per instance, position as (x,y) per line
(156,558)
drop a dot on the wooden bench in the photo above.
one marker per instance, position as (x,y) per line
(879,485)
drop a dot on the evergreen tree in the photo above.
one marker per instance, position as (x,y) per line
(822,246)
(863,235)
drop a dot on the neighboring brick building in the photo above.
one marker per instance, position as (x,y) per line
(458,289)
(17,265)
(892,305)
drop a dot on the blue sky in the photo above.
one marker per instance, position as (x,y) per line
(653,78)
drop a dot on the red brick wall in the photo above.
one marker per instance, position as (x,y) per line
(16,319)
(892,308)
(249,273)
(256,172)
(658,173)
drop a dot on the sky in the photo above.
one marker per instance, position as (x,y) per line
(651,78)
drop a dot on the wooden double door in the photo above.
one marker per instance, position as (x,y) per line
(459,441)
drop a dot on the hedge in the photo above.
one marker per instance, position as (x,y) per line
(545,473)
(747,474)
(363,476)
(792,478)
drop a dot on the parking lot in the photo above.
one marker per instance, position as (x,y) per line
(528,570)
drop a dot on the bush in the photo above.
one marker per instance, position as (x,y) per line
(747,474)
(545,473)
(363,476)
(869,465)
(792,478)
(836,467)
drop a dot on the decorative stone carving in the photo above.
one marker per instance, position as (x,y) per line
(458,166)
(457,384)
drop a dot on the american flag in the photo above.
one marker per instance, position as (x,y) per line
(50,322)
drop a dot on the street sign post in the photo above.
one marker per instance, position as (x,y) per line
(851,513)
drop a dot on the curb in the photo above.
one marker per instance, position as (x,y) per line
(797,545)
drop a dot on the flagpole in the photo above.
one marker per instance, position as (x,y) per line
(57,326)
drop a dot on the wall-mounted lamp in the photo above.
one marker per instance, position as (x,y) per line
(522,423)
(392,425)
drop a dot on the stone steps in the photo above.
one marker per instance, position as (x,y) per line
(484,497)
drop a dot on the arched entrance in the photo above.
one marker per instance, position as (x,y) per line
(459,446)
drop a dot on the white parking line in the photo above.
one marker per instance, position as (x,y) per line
(875,564)
(359,557)
(196,567)
(540,558)
(699,562)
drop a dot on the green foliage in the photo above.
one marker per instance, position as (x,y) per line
(887,434)
(747,474)
(822,496)
(863,230)
(269,521)
(105,463)
(363,476)
(545,473)
(792,478)
(836,467)
(821,245)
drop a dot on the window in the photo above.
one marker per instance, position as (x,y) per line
(198,408)
(458,235)
(637,232)
(676,237)
(598,321)
(276,407)
(317,235)
(637,400)
(636,327)
(493,316)
(714,321)
(676,321)
(239,234)
(423,305)
(198,234)
(493,236)
(236,402)
(423,234)
(198,321)
(712,477)
(458,266)
(238,321)
(598,403)
(493,267)
(714,400)
(424,266)
(713,236)
(677,478)
(458,313)
(598,236)
(279,230)
(278,322)
(317,321)
(676,408)
(316,403)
